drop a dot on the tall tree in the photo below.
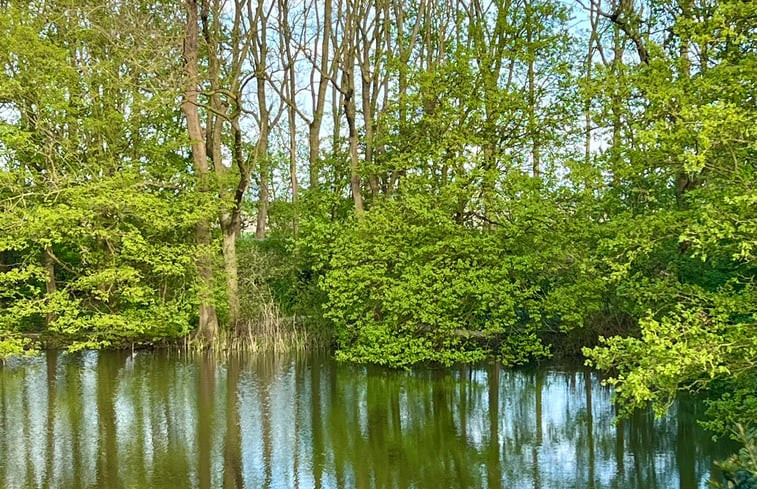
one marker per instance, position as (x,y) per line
(208,325)
(353,11)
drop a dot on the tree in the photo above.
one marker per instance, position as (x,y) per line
(208,326)
(687,252)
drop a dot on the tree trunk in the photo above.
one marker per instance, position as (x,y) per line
(214,143)
(349,109)
(289,90)
(532,125)
(347,60)
(50,286)
(232,276)
(260,55)
(684,181)
(208,324)
(293,171)
(319,99)
(587,101)
(615,108)
(314,150)
(263,196)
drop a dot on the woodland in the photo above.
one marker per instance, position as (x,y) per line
(405,181)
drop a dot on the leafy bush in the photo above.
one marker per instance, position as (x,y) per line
(408,283)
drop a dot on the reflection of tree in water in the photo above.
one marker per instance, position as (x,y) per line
(232,463)
(108,367)
(162,421)
(410,430)
(159,436)
(490,428)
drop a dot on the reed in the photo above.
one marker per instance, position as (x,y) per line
(267,334)
(263,326)
(265,329)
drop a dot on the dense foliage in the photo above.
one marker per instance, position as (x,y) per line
(96,200)
(483,178)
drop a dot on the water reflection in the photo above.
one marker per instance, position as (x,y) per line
(121,420)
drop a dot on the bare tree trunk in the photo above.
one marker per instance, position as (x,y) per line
(489,48)
(289,91)
(684,181)
(232,276)
(260,55)
(347,88)
(350,111)
(370,50)
(326,71)
(314,150)
(404,53)
(208,324)
(263,198)
(232,228)
(50,286)
(615,107)
(587,104)
(293,172)
(216,118)
(532,125)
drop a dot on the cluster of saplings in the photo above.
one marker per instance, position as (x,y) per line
(414,181)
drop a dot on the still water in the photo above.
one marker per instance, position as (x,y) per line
(168,420)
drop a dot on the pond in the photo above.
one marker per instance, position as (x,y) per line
(172,420)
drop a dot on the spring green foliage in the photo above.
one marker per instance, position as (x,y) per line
(124,260)
(96,206)
(411,283)
(688,261)
(740,470)
(406,284)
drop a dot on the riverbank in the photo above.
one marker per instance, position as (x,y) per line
(280,336)
(285,335)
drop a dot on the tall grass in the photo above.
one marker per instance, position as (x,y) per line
(264,325)
(269,334)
